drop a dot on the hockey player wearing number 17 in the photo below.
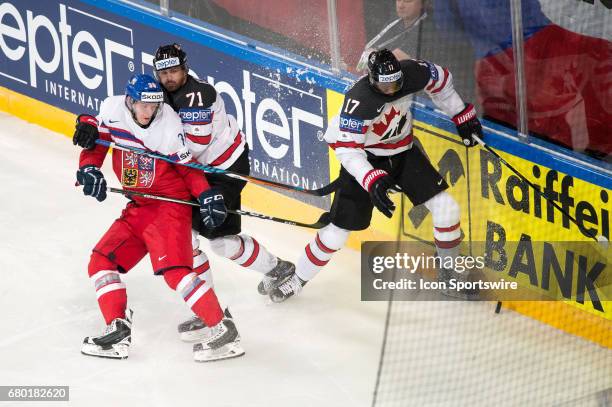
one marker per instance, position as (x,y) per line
(372,139)
(162,229)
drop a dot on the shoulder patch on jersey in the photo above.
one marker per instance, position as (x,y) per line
(352,125)
(195,115)
(198,80)
(432,69)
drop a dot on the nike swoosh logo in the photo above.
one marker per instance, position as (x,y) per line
(162,257)
(440,182)
(113,121)
(380,108)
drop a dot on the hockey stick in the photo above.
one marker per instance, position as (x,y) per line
(317,225)
(323,191)
(598,238)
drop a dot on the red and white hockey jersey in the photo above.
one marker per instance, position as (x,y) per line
(380,124)
(163,136)
(213,136)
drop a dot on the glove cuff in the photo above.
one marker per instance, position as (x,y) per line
(465,115)
(371,177)
(88,119)
(88,167)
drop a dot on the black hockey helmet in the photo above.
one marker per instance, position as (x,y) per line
(169,56)
(385,72)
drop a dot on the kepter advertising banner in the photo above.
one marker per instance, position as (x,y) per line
(72,55)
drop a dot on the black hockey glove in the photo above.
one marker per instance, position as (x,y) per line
(86,131)
(212,208)
(379,184)
(467,124)
(93,181)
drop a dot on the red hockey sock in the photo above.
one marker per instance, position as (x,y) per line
(197,293)
(111,292)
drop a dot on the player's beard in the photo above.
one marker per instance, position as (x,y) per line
(171,86)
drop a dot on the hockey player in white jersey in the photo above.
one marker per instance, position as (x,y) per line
(214,138)
(372,139)
(162,229)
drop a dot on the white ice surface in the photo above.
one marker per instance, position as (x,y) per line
(319,349)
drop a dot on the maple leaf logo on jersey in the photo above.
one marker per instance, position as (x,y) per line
(381,127)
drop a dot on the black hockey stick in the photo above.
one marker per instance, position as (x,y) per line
(597,238)
(317,225)
(323,191)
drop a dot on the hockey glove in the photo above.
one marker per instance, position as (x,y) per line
(467,124)
(212,208)
(379,185)
(93,181)
(86,131)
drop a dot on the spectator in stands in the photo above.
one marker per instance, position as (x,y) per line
(412,34)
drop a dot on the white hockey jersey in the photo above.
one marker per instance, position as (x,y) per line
(213,136)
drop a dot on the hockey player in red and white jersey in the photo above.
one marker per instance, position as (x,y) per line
(161,229)
(372,138)
(215,139)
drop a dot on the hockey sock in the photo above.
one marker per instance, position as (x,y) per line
(245,251)
(201,265)
(197,293)
(111,292)
(447,229)
(317,253)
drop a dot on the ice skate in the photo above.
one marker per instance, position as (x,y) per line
(114,343)
(223,343)
(275,277)
(195,330)
(289,288)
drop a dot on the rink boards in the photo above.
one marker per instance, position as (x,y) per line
(61,59)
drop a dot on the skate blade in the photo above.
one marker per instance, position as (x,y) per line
(199,335)
(279,299)
(229,351)
(116,352)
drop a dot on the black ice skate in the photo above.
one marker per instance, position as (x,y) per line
(195,330)
(223,343)
(114,343)
(275,277)
(445,275)
(289,288)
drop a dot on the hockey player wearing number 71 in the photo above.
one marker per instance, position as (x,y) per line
(372,139)
(215,139)
(162,229)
